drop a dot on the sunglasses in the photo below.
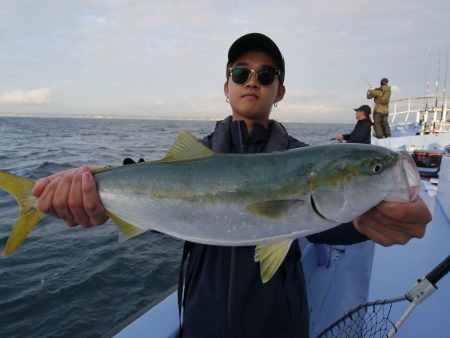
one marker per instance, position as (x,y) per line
(264,75)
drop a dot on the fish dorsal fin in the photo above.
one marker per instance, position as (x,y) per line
(186,147)
(275,209)
(270,257)
(128,230)
(100,170)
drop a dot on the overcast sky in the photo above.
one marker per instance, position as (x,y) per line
(167,58)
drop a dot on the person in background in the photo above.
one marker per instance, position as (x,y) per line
(381,97)
(223,292)
(361,132)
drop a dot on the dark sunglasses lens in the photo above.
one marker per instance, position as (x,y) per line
(266,76)
(240,75)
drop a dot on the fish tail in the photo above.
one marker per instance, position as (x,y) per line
(29,214)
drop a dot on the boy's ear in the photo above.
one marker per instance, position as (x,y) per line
(280,93)
(225,88)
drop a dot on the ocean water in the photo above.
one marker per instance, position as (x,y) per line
(75,282)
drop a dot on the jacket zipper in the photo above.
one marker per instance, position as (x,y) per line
(228,332)
(241,143)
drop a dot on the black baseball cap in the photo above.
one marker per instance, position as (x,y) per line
(255,42)
(365,108)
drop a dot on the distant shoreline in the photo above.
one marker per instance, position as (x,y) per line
(141,117)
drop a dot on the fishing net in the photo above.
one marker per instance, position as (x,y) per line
(367,320)
(372,319)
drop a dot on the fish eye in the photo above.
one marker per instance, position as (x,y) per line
(377,167)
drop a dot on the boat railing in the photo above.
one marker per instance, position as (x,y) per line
(428,114)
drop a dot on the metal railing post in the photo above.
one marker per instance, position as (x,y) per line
(395,113)
(429,119)
(444,112)
(409,109)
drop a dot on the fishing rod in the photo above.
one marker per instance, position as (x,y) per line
(365,80)
(437,80)
(445,87)
(445,78)
(372,319)
(426,88)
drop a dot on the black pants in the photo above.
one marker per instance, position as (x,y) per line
(381,125)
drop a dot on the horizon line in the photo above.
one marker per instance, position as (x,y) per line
(146,117)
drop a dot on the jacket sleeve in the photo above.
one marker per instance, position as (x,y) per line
(343,234)
(207,140)
(371,93)
(294,143)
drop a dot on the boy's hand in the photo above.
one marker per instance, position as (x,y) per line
(72,196)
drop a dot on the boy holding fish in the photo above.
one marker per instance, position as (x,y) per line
(224,296)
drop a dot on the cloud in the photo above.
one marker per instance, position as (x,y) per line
(92,20)
(34,96)
(167,58)
(395,88)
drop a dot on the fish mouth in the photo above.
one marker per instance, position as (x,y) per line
(316,210)
(412,176)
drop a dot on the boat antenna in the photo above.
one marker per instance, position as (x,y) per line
(445,77)
(444,99)
(426,76)
(437,80)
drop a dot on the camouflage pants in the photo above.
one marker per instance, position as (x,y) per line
(381,125)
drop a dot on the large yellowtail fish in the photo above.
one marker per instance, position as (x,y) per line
(266,200)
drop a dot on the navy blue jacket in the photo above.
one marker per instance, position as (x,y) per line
(224,296)
(361,132)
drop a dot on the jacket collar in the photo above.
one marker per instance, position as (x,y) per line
(277,138)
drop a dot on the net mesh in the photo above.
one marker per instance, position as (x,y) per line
(367,320)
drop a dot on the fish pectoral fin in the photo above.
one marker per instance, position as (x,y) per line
(274,209)
(129,230)
(186,147)
(29,214)
(270,257)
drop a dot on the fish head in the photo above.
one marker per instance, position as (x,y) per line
(356,178)
(405,180)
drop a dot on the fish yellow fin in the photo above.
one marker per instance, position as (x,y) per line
(186,147)
(129,230)
(274,209)
(270,257)
(29,214)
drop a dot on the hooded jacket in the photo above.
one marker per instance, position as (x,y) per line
(223,295)
(361,132)
(381,98)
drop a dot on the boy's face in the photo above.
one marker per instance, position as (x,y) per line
(252,100)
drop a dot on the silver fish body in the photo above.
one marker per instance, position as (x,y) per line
(234,199)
